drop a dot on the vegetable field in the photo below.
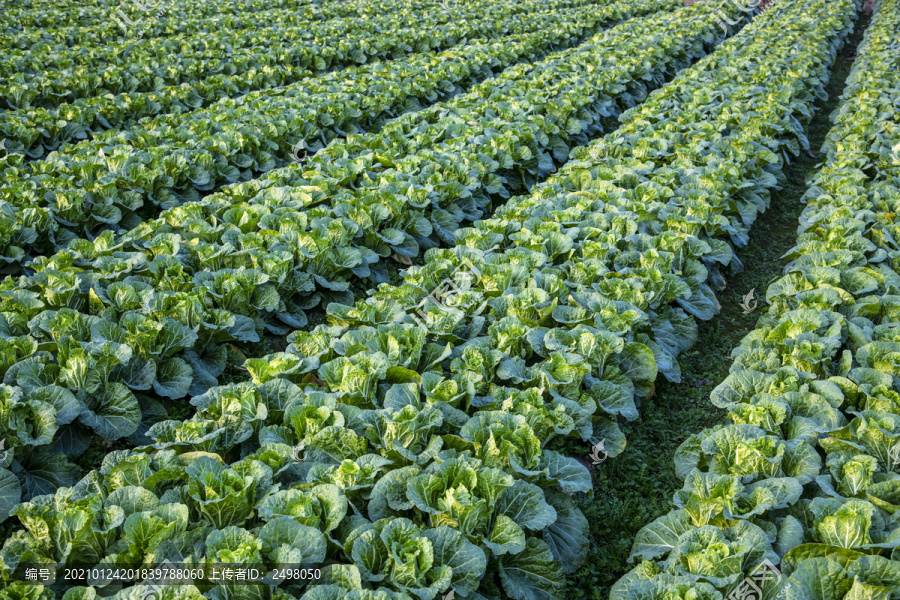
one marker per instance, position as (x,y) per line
(436,300)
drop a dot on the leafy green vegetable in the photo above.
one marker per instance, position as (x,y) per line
(411,431)
(813,390)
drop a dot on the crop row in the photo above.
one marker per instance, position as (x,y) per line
(282,54)
(124,176)
(95,185)
(70,13)
(84,24)
(53,59)
(409,448)
(37,131)
(163,19)
(802,485)
(169,336)
(171,291)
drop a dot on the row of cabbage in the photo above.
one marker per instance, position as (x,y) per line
(122,177)
(152,309)
(282,54)
(798,496)
(48,24)
(408,446)
(36,131)
(114,412)
(155,19)
(49,58)
(68,13)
